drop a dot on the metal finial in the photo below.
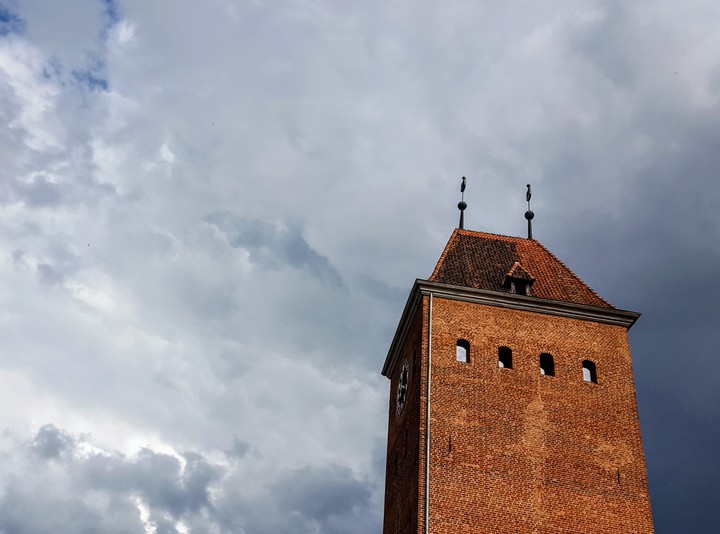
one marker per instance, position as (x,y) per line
(462,205)
(529,214)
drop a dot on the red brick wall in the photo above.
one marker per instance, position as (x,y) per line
(511,450)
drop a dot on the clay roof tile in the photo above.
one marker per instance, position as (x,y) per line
(481,260)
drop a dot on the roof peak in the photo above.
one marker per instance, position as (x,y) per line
(482,260)
(518,271)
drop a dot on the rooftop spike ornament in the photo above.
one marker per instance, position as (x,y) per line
(529,214)
(462,205)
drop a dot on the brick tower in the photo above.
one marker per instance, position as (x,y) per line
(512,405)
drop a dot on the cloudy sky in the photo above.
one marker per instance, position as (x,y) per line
(211,214)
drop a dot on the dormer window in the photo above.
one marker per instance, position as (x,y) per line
(518,280)
(519,287)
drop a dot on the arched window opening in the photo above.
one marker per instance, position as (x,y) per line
(589,371)
(462,351)
(547,364)
(505,357)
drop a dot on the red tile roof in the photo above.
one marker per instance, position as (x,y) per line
(482,261)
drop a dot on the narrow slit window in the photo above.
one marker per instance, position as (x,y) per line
(462,351)
(547,364)
(505,357)
(589,371)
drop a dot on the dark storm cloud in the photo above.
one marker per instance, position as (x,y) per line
(159,478)
(671,262)
(322,493)
(653,248)
(171,488)
(327,499)
(274,245)
(32,505)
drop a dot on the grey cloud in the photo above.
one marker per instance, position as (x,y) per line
(328,500)
(275,245)
(56,264)
(380,290)
(321,493)
(84,26)
(607,42)
(48,274)
(239,448)
(159,478)
(39,192)
(169,490)
(164,526)
(23,511)
(94,493)
(92,78)
(50,442)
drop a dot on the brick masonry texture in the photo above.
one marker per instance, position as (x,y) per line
(513,451)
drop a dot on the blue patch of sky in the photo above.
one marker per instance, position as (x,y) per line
(10,22)
(92,78)
(112,10)
(51,69)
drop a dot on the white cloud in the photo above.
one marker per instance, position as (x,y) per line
(33,94)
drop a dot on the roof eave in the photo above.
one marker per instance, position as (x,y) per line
(572,310)
(398,341)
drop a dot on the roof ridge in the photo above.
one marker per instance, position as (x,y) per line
(478,232)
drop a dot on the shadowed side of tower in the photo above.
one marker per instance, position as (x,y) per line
(518,412)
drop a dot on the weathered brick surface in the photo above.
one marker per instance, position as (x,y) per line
(513,451)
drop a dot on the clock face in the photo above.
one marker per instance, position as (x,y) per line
(403,386)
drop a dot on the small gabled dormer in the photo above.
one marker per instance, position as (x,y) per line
(518,280)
